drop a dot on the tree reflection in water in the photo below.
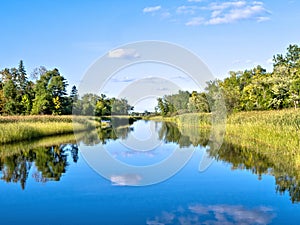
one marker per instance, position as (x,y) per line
(51,160)
(284,167)
(50,163)
(50,157)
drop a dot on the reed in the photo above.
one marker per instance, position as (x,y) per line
(277,130)
(20,128)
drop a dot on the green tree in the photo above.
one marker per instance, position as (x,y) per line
(21,79)
(50,91)
(120,106)
(198,102)
(88,103)
(10,94)
(103,106)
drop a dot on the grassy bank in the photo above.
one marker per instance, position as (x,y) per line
(263,142)
(187,120)
(276,129)
(20,128)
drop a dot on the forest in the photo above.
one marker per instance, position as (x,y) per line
(249,90)
(45,94)
(254,89)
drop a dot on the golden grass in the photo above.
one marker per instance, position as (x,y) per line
(20,128)
(277,130)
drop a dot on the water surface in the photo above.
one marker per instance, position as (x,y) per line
(47,181)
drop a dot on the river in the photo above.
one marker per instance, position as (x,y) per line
(56,181)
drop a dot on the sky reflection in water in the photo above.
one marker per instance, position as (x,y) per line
(231,191)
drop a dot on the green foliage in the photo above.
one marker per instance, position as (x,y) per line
(198,102)
(256,89)
(119,106)
(50,91)
(183,102)
(248,90)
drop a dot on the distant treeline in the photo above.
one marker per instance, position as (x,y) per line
(248,90)
(45,94)
(254,89)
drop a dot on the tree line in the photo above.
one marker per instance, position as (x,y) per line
(254,89)
(45,94)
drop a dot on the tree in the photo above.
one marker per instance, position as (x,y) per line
(198,102)
(103,106)
(10,93)
(290,60)
(88,103)
(120,106)
(294,92)
(50,91)
(38,72)
(174,104)
(231,88)
(74,94)
(21,79)
(162,106)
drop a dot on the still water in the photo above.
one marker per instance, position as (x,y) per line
(48,181)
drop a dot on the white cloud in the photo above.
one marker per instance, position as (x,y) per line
(217,12)
(229,12)
(226,5)
(186,9)
(263,19)
(123,53)
(123,79)
(196,21)
(151,9)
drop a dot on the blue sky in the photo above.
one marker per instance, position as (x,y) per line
(71,35)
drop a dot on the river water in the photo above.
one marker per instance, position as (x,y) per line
(55,181)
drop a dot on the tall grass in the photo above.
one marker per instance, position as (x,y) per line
(277,130)
(194,119)
(187,120)
(20,128)
(39,118)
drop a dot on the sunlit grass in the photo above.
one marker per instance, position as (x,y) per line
(20,128)
(277,130)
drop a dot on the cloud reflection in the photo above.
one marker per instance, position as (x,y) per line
(125,179)
(215,215)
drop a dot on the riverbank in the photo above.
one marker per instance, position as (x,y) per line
(21,128)
(277,129)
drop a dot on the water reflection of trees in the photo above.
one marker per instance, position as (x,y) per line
(255,157)
(51,160)
(47,159)
(50,163)
(184,137)
(116,128)
(113,133)
(283,167)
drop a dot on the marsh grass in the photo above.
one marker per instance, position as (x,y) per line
(20,128)
(277,131)
(187,120)
(33,119)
